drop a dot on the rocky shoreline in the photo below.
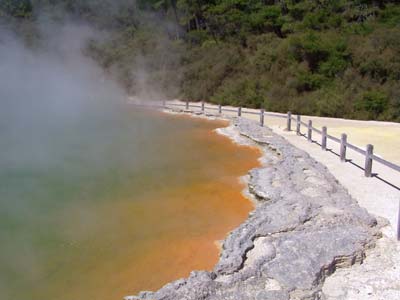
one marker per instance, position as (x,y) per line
(305,225)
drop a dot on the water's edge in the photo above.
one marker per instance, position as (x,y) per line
(303,227)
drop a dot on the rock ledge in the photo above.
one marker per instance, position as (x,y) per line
(304,227)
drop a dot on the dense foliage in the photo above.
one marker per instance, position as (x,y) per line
(338,58)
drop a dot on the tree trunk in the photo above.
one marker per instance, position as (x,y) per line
(177,25)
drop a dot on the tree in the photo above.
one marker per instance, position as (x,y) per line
(16,8)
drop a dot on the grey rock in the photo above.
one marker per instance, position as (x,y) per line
(272,295)
(304,227)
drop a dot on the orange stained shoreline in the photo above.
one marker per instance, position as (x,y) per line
(216,207)
(177,234)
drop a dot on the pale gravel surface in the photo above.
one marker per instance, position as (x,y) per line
(305,227)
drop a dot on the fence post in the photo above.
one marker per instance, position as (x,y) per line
(368,160)
(202,106)
(187,104)
(262,117)
(309,133)
(239,111)
(343,143)
(323,142)
(220,109)
(298,124)
(398,224)
(289,121)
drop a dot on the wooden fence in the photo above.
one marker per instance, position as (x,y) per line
(368,152)
(344,144)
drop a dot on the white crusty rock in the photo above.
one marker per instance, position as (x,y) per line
(305,226)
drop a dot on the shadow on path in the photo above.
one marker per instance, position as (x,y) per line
(375,175)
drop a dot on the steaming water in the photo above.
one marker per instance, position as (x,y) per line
(108,204)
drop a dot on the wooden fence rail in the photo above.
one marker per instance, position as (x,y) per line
(344,144)
(368,153)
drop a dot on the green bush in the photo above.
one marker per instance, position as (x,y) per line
(390,15)
(330,102)
(308,82)
(16,8)
(374,103)
(333,66)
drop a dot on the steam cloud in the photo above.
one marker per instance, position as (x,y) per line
(61,117)
(49,93)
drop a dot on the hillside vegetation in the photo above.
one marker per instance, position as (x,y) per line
(338,58)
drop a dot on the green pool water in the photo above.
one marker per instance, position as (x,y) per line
(87,203)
